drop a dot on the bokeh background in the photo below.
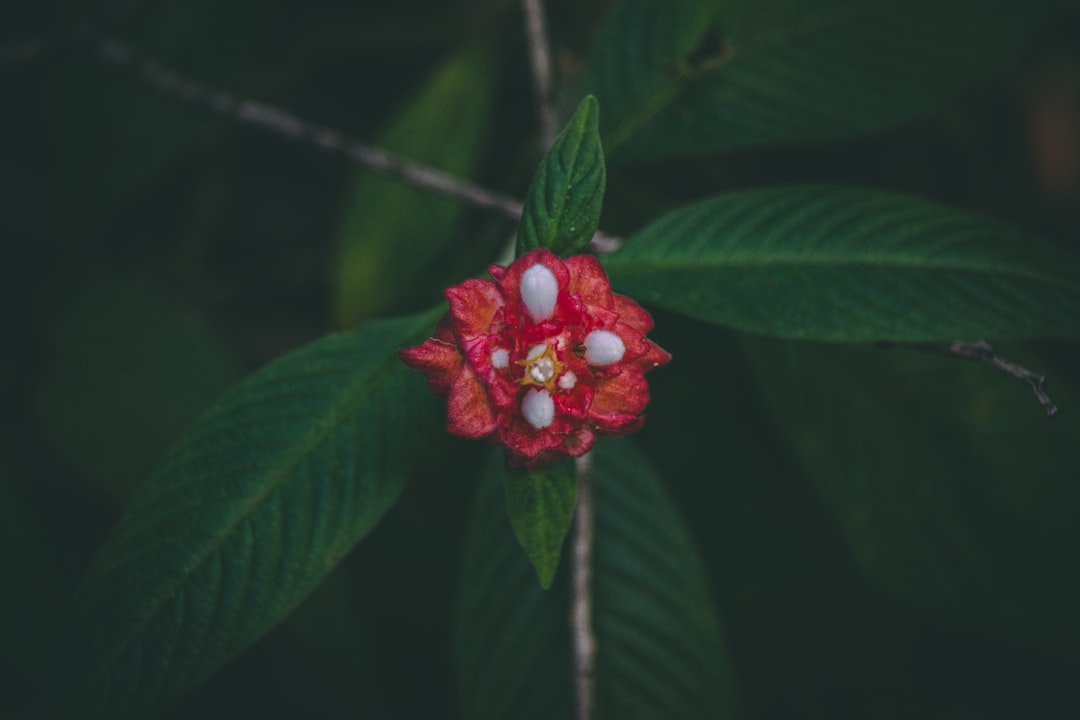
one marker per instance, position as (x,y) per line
(154,253)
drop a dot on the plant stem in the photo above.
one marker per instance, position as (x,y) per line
(540,62)
(581,609)
(282,122)
(982,351)
(286,124)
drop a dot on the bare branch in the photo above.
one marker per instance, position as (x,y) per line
(540,61)
(286,124)
(279,121)
(581,610)
(982,351)
(602,243)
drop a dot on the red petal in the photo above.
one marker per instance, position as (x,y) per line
(588,280)
(580,442)
(575,403)
(522,438)
(636,343)
(633,314)
(575,446)
(619,401)
(440,362)
(654,358)
(468,411)
(474,304)
(445,330)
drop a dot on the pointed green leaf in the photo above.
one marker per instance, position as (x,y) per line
(512,639)
(562,208)
(850,265)
(681,76)
(952,489)
(540,504)
(264,494)
(386,225)
(660,647)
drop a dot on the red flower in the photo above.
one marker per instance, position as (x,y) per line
(542,360)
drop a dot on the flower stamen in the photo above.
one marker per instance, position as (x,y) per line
(542,367)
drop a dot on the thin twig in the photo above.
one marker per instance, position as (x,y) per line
(602,243)
(982,351)
(540,62)
(286,124)
(581,610)
(542,75)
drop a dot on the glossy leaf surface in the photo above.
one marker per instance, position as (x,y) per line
(260,499)
(540,504)
(850,265)
(660,646)
(680,76)
(562,208)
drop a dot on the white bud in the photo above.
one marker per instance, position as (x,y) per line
(539,290)
(603,347)
(500,359)
(538,408)
(568,380)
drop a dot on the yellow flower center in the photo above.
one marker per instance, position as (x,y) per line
(541,367)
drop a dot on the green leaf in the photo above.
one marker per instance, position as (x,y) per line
(952,489)
(850,265)
(127,372)
(681,76)
(660,649)
(387,226)
(265,493)
(540,504)
(512,639)
(562,208)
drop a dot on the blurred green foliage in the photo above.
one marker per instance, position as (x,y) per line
(885,534)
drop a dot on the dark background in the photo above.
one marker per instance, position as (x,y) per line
(154,253)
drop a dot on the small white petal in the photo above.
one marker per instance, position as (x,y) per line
(536,351)
(539,290)
(538,408)
(500,359)
(568,380)
(603,347)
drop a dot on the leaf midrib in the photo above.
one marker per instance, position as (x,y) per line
(656,103)
(277,480)
(618,268)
